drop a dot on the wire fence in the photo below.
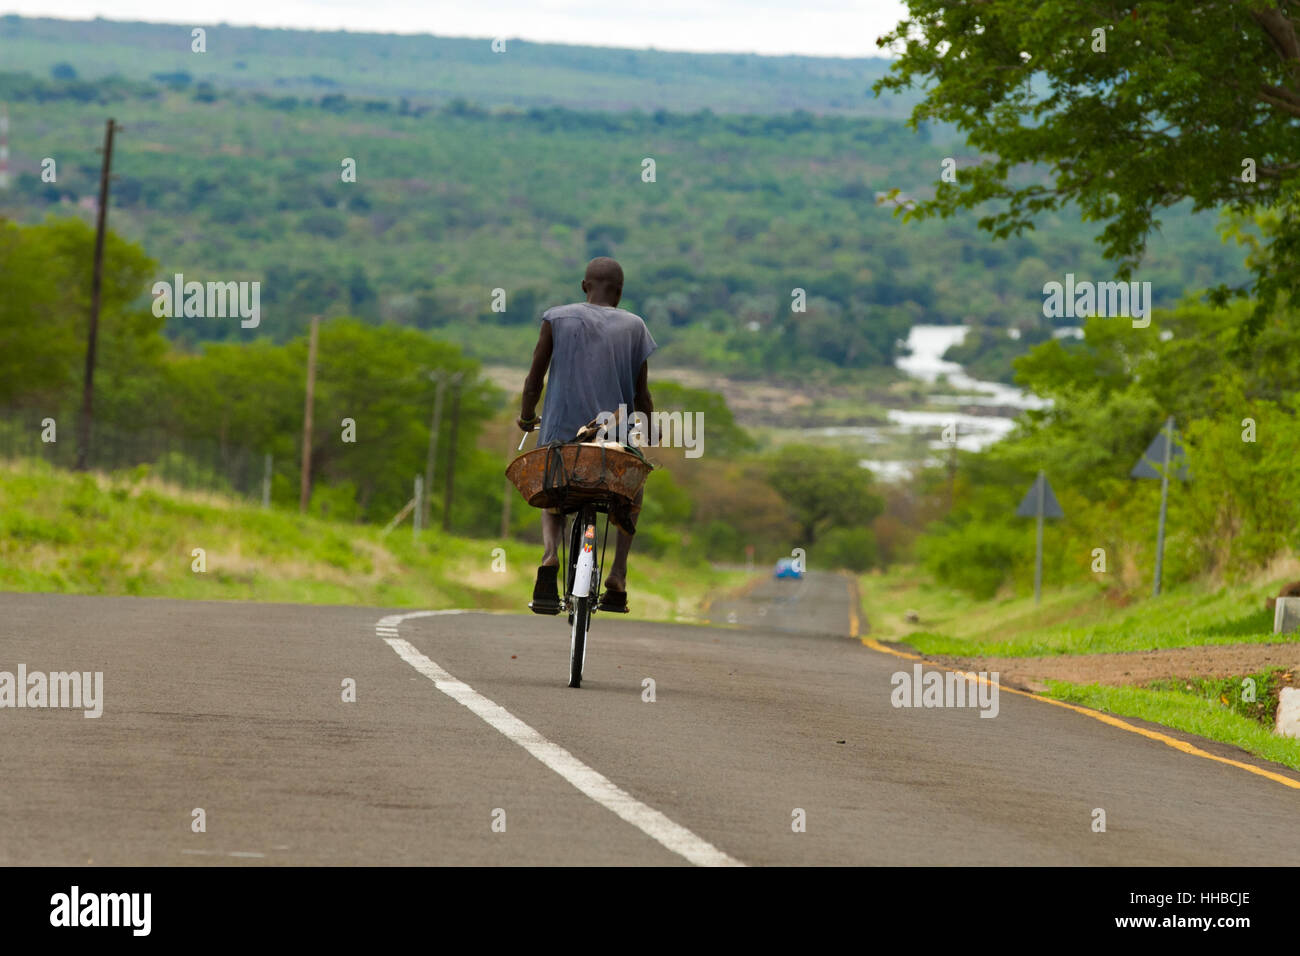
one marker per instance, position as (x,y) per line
(198,464)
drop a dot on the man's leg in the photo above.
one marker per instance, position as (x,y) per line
(617,577)
(552,535)
(546,593)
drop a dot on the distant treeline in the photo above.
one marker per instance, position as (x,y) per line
(753,244)
(435,69)
(218,410)
(64,84)
(23,87)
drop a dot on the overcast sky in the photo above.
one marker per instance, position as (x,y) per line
(815,27)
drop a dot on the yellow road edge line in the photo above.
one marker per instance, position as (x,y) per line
(854,602)
(1180,745)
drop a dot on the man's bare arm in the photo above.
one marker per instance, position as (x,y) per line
(641,399)
(536,377)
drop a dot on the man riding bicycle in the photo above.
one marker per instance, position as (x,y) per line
(596,354)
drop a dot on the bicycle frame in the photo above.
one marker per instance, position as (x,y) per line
(585,516)
(583,580)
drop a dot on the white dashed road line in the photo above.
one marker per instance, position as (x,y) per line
(648,820)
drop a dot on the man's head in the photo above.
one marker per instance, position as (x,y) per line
(603,282)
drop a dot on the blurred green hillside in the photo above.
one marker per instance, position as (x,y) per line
(762,186)
(131,533)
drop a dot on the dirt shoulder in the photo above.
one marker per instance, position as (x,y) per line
(1134,667)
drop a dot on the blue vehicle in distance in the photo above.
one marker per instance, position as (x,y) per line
(785,568)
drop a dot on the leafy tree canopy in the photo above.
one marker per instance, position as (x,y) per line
(823,488)
(1134,107)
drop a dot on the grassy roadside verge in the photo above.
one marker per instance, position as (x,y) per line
(1082,620)
(128,534)
(1073,620)
(1192,713)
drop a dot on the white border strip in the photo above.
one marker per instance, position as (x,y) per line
(646,819)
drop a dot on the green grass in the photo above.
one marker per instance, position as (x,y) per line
(1181,710)
(1082,620)
(1259,705)
(1073,620)
(126,534)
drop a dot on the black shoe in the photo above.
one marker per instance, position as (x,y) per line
(546,594)
(612,600)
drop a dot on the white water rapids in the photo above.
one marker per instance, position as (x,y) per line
(926,347)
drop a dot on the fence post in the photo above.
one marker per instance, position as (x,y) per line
(451,455)
(431,460)
(304,493)
(419,500)
(266,481)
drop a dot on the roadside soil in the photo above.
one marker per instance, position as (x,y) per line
(1134,667)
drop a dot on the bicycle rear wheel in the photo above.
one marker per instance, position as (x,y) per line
(581,591)
(578,639)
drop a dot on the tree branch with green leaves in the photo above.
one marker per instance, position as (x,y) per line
(1132,107)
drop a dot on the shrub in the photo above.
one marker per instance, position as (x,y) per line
(853,549)
(976,558)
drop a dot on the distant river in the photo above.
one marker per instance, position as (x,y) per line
(927,345)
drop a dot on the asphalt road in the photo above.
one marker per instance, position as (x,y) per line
(238,709)
(817,603)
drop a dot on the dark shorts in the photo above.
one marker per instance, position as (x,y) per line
(624,515)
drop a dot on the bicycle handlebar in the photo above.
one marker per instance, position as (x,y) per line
(525,435)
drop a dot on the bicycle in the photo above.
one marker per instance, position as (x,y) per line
(572,481)
(582,581)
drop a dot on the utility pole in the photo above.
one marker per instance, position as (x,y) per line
(952,462)
(96,286)
(451,454)
(952,476)
(4,145)
(418,510)
(434,426)
(304,493)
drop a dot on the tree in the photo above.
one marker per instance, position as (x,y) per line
(822,488)
(1135,108)
(44,302)
(724,436)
